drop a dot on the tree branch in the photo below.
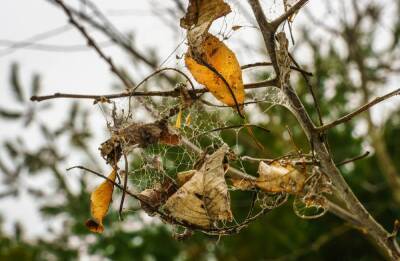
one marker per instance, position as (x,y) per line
(172,93)
(287,14)
(295,68)
(92,43)
(358,111)
(344,192)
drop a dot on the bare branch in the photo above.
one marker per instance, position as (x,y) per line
(358,111)
(129,85)
(353,159)
(296,7)
(295,68)
(172,93)
(121,205)
(344,192)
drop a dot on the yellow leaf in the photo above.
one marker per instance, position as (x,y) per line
(99,202)
(179,119)
(188,119)
(218,56)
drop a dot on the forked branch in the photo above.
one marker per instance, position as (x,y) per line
(343,191)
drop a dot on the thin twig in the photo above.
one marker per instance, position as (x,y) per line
(295,68)
(358,111)
(296,7)
(121,205)
(353,159)
(343,214)
(310,88)
(172,93)
(162,70)
(233,127)
(114,35)
(92,43)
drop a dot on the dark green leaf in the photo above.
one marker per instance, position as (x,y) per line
(36,84)
(12,151)
(15,83)
(10,115)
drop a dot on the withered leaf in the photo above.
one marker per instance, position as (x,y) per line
(204,199)
(274,178)
(219,57)
(153,198)
(141,135)
(100,200)
(278,178)
(184,176)
(199,17)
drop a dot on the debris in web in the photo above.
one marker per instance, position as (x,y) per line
(139,135)
(313,203)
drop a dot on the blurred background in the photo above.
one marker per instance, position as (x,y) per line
(351,47)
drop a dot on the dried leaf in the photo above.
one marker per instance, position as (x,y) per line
(152,199)
(274,178)
(278,178)
(199,17)
(184,176)
(142,135)
(99,202)
(219,57)
(204,199)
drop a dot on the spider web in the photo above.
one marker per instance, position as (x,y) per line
(201,125)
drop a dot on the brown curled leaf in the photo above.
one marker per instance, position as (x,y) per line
(204,198)
(100,200)
(199,16)
(184,176)
(141,135)
(276,177)
(153,198)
